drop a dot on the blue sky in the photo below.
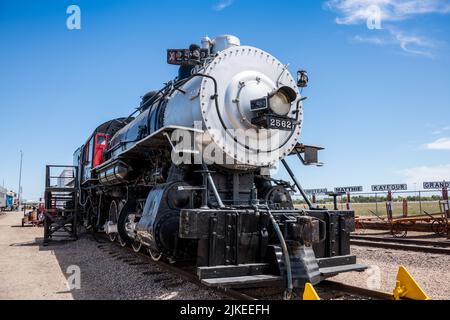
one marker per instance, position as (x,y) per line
(378,99)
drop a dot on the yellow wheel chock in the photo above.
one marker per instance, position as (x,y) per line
(408,288)
(310,293)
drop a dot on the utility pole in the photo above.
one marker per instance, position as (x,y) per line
(20,181)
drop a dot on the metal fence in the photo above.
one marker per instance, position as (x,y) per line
(375,203)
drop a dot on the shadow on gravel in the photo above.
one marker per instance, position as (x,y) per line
(24,244)
(39,242)
(98,279)
(25,226)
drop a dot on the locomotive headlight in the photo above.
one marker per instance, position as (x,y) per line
(280,102)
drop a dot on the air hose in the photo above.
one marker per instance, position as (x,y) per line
(287,259)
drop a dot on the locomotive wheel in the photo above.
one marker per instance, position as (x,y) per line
(278,197)
(122,226)
(112,237)
(113,218)
(155,255)
(122,243)
(137,246)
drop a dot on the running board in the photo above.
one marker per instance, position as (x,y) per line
(265,280)
(251,269)
(244,281)
(331,271)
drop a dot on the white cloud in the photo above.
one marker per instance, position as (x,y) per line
(426,173)
(223,4)
(439,144)
(409,43)
(356,11)
(413,44)
(353,12)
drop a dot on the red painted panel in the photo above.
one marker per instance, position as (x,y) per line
(101,143)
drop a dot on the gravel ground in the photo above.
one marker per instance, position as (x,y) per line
(27,271)
(30,271)
(431,271)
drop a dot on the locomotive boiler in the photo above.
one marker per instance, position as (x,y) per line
(187,176)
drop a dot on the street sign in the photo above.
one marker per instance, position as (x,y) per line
(349,189)
(436,185)
(390,187)
(316,191)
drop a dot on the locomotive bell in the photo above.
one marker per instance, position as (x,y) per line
(224,42)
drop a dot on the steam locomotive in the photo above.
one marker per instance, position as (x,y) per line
(187,176)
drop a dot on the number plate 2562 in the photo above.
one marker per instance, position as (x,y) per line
(280,123)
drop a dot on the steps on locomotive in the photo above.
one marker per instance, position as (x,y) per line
(262,280)
(332,266)
(331,271)
(61,202)
(258,274)
(244,275)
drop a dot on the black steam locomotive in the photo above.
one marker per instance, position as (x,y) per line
(187,177)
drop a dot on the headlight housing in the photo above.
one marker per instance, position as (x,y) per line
(280,102)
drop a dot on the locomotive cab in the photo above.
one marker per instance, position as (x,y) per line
(90,156)
(92,153)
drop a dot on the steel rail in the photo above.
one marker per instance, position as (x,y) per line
(444,244)
(399,246)
(356,291)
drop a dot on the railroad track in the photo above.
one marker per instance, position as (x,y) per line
(440,247)
(327,290)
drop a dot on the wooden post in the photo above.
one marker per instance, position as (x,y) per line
(389,206)
(348,203)
(446,208)
(405,208)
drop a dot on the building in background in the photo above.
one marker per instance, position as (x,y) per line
(3,193)
(8,200)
